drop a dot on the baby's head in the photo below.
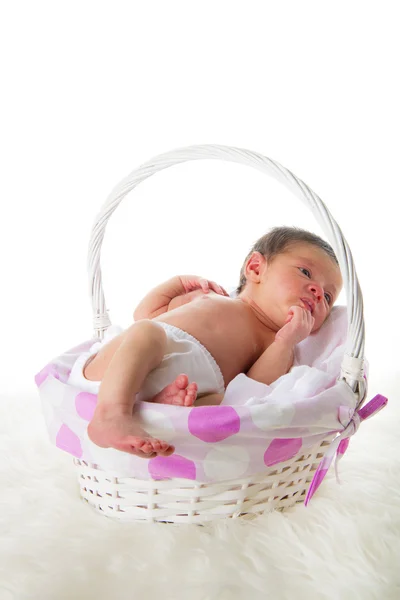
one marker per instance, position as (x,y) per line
(290,267)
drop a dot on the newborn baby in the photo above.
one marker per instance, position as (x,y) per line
(189,328)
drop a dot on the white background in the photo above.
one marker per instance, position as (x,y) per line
(92,89)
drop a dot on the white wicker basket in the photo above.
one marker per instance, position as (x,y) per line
(185,501)
(279,487)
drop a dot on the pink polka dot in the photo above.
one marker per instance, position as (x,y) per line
(213,423)
(162,467)
(68,441)
(85,405)
(281,450)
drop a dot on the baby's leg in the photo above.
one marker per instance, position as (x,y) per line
(122,366)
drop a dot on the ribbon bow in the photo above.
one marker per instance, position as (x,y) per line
(340,444)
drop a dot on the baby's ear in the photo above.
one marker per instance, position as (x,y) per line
(254,266)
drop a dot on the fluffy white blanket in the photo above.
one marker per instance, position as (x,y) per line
(345,545)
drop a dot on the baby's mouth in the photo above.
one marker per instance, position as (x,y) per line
(308,305)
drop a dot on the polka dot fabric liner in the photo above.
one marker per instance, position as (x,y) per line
(256,427)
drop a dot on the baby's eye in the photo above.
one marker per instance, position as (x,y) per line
(328,298)
(305,271)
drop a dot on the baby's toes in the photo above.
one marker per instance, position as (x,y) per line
(167,450)
(146,455)
(147,447)
(179,398)
(191,394)
(156,445)
(136,447)
(189,400)
(182,381)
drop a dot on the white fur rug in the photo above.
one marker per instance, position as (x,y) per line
(345,545)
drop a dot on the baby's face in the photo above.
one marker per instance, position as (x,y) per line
(304,276)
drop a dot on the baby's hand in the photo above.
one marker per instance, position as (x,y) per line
(191,283)
(298,326)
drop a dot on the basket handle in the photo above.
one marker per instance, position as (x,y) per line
(352,365)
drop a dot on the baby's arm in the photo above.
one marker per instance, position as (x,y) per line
(278,358)
(274,362)
(173,293)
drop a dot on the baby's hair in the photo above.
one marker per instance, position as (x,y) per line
(277,240)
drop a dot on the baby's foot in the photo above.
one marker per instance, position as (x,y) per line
(115,430)
(180,392)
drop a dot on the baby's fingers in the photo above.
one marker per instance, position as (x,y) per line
(289,317)
(204,284)
(309,319)
(217,288)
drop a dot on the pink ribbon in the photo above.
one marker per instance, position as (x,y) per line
(340,444)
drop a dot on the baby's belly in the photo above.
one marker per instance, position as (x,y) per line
(218,328)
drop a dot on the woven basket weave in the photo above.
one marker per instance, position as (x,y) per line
(185,501)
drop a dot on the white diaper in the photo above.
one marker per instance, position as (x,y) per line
(184,354)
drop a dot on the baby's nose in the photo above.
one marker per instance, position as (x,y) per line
(317,291)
